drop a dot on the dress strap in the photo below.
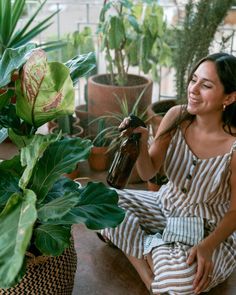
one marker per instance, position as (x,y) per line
(233,148)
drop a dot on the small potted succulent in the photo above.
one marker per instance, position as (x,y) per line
(99,158)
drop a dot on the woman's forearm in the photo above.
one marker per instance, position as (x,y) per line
(144,164)
(224,229)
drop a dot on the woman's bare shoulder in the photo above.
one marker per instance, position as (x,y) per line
(173,113)
(169,118)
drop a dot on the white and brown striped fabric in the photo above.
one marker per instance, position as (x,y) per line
(196,188)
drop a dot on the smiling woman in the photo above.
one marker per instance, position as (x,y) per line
(206,90)
(181,239)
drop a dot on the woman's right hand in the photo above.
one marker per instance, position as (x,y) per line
(126,130)
(124,125)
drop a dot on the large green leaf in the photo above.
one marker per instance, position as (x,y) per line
(59,207)
(17,220)
(60,187)
(45,90)
(8,186)
(96,207)
(31,154)
(12,166)
(52,239)
(59,158)
(116,33)
(9,119)
(13,59)
(81,65)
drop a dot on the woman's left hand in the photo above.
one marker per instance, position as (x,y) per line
(203,256)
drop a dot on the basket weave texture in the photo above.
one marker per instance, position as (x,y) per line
(47,275)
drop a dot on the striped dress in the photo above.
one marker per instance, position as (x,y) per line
(197,188)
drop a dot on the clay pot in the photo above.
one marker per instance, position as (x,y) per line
(99,158)
(74,174)
(82,114)
(78,131)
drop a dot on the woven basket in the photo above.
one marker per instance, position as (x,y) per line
(48,275)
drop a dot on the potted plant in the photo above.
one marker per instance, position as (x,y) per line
(37,204)
(112,120)
(99,158)
(131,33)
(111,133)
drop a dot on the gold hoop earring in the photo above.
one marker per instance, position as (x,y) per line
(224,106)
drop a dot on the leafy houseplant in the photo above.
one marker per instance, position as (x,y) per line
(99,158)
(132,34)
(77,42)
(110,132)
(194,37)
(37,204)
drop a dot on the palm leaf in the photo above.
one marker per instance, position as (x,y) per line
(20,34)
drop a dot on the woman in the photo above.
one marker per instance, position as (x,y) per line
(180,239)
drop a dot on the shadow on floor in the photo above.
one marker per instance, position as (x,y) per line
(103,270)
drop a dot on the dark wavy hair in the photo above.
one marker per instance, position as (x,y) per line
(226,70)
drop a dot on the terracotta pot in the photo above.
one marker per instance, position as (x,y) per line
(74,174)
(83,115)
(99,158)
(102,97)
(78,131)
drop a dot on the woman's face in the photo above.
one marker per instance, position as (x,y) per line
(205,90)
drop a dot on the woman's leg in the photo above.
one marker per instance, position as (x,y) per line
(143,269)
(143,217)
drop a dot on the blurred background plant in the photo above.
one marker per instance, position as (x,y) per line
(132,34)
(77,42)
(14,32)
(194,36)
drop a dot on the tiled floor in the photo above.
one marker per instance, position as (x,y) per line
(103,270)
